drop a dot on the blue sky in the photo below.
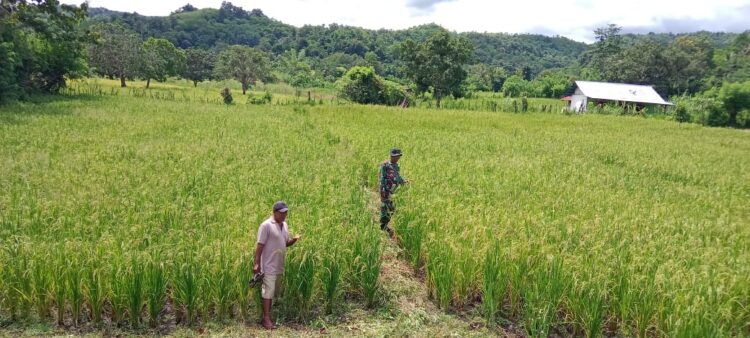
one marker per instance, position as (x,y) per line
(575,19)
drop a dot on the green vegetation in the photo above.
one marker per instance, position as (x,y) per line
(586,225)
(40,45)
(426,61)
(132,206)
(362,85)
(437,65)
(244,64)
(115,52)
(117,224)
(161,59)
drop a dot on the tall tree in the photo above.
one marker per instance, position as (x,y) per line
(160,60)
(244,64)
(41,44)
(643,63)
(116,52)
(485,78)
(296,69)
(199,65)
(515,86)
(438,64)
(733,62)
(602,56)
(690,62)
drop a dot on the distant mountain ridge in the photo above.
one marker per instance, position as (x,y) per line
(189,27)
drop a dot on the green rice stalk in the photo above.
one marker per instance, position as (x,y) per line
(42,287)
(95,292)
(330,277)
(186,290)
(135,292)
(156,289)
(74,289)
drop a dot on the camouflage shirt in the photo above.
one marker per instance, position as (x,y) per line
(389,177)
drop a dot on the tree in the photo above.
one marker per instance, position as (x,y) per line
(437,64)
(244,64)
(515,86)
(643,63)
(551,84)
(296,69)
(186,9)
(690,61)
(482,77)
(733,62)
(361,85)
(116,52)
(603,55)
(41,44)
(199,65)
(372,60)
(160,60)
(735,97)
(525,72)
(335,65)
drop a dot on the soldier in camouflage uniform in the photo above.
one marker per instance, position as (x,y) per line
(390,179)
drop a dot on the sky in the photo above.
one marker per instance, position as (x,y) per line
(575,19)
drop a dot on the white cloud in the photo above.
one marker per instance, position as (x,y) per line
(572,18)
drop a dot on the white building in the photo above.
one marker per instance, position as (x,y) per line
(618,92)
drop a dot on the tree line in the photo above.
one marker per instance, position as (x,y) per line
(45,42)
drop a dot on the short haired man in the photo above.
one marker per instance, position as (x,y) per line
(390,179)
(270,251)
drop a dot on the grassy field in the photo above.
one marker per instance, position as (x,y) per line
(137,210)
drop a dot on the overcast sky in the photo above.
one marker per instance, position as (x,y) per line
(575,19)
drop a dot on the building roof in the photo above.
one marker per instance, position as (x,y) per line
(620,92)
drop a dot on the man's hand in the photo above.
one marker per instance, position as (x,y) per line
(256,268)
(293,240)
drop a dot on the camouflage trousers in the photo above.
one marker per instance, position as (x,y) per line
(386,210)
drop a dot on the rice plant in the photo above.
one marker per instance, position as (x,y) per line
(60,287)
(243,273)
(135,292)
(156,286)
(588,305)
(75,288)
(222,285)
(494,282)
(186,290)
(367,259)
(596,222)
(440,274)
(94,291)
(299,279)
(42,287)
(330,276)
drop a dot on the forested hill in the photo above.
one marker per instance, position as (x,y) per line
(189,27)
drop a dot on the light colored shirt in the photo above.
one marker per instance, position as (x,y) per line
(274,238)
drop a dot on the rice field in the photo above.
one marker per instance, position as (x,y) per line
(121,210)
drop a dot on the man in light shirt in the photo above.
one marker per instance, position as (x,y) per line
(270,251)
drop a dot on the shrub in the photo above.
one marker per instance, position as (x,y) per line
(362,85)
(709,112)
(264,99)
(226,94)
(394,94)
(743,118)
(681,114)
(735,97)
